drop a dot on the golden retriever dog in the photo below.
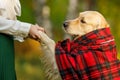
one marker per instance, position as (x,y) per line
(86,23)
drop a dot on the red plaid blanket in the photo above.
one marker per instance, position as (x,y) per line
(90,57)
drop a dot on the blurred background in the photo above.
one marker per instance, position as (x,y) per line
(51,14)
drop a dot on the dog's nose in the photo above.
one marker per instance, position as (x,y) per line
(65,24)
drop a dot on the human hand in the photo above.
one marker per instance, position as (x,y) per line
(33,33)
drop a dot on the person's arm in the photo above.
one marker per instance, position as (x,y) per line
(19,29)
(14,27)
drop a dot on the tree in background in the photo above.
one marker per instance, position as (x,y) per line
(72,12)
(42,14)
(90,5)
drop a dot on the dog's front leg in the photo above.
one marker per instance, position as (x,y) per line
(48,58)
(46,41)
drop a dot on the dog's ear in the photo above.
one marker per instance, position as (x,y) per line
(89,18)
(100,20)
(94,19)
(103,23)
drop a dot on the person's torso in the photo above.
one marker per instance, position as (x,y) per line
(10,8)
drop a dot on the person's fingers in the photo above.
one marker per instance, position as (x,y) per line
(38,35)
(33,36)
(40,28)
(34,32)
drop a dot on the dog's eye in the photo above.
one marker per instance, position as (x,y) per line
(82,21)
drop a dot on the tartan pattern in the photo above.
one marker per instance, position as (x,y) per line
(90,57)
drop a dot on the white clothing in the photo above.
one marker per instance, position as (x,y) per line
(9,9)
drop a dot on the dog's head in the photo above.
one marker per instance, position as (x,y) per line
(86,22)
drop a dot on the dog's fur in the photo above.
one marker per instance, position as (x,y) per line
(86,22)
